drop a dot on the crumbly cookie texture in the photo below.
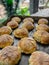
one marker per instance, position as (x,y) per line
(16,19)
(10,55)
(28,19)
(27,45)
(42,27)
(41,36)
(43,21)
(5,30)
(6,40)
(39,58)
(12,24)
(28,25)
(20,33)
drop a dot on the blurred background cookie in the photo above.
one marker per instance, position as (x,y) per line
(28,25)
(10,55)
(43,27)
(39,58)
(28,19)
(12,24)
(6,40)
(27,45)
(5,30)
(20,32)
(43,21)
(3,12)
(17,19)
(41,36)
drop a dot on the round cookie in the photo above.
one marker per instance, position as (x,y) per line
(12,24)
(20,32)
(39,58)
(28,19)
(27,45)
(43,21)
(6,40)
(5,30)
(28,25)
(41,36)
(10,55)
(43,27)
(17,19)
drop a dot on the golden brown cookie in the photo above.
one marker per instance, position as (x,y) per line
(43,21)
(41,36)
(28,25)
(28,19)
(17,19)
(5,40)
(43,27)
(20,32)
(5,30)
(12,24)
(10,55)
(39,58)
(27,45)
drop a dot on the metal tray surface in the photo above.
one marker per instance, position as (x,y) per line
(25,58)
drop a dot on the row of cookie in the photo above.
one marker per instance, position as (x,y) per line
(43,25)
(28,23)
(26,43)
(20,31)
(10,25)
(40,35)
(24,48)
(6,39)
(41,55)
(42,32)
(25,27)
(11,55)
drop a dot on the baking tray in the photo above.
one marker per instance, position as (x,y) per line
(25,58)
